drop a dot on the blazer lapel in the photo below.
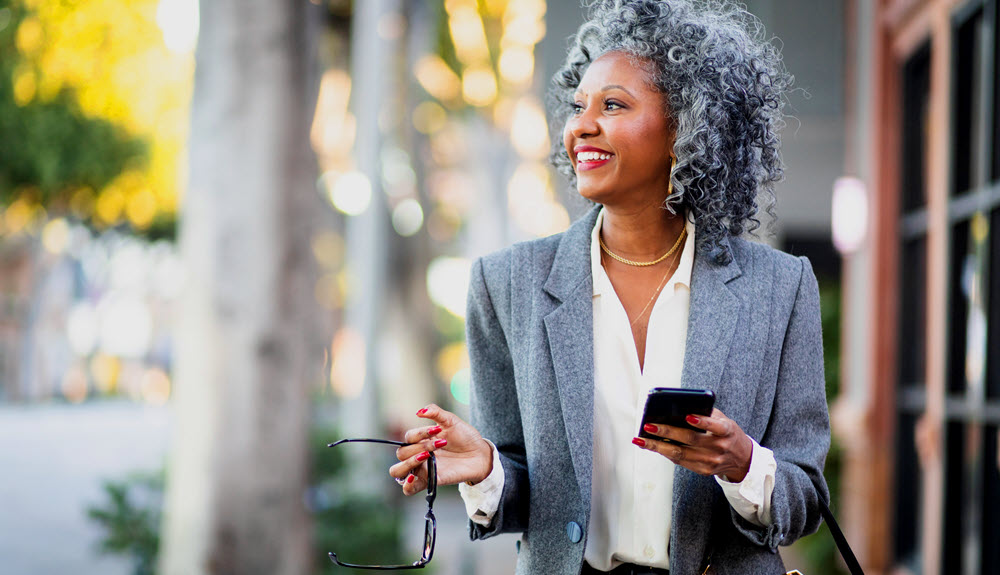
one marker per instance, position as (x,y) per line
(712,321)
(570,332)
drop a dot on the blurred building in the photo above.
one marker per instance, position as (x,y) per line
(919,412)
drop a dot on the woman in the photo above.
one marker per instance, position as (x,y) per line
(672,110)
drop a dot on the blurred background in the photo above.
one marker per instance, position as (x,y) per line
(233,232)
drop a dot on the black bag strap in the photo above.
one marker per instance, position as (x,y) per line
(845,550)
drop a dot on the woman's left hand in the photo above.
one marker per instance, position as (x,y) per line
(725,450)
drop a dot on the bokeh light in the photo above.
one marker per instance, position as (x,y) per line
(467,32)
(849,214)
(437,78)
(351,193)
(347,369)
(55,236)
(105,370)
(154,387)
(407,217)
(529,132)
(452,358)
(429,117)
(479,86)
(82,329)
(448,283)
(126,325)
(531,201)
(517,65)
(333,128)
(179,20)
(460,386)
(397,173)
(328,249)
(74,385)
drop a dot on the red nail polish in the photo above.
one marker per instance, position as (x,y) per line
(410,478)
(421,412)
(639,442)
(423,456)
(693,419)
(441,443)
(434,430)
(649,427)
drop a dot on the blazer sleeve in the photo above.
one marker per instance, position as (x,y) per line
(494,402)
(799,429)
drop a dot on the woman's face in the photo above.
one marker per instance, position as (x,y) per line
(618,137)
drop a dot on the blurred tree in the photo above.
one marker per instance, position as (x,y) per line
(51,150)
(251,335)
(93,104)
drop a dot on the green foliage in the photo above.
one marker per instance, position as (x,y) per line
(829,296)
(52,147)
(130,517)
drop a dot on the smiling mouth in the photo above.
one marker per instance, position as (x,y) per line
(592,160)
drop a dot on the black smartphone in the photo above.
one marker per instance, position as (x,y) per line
(670,406)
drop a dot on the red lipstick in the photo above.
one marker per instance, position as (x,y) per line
(592,162)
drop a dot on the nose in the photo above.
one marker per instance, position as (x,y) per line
(584,124)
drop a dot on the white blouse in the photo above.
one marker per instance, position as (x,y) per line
(630,510)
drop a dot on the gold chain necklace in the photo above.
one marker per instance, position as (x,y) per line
(652,298)
(680,239)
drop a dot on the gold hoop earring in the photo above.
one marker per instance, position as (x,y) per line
(670,177)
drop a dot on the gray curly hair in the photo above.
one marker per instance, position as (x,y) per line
(725,84)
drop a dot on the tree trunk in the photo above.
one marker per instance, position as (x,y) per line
(251,337)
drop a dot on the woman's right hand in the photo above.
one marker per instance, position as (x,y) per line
(461,452)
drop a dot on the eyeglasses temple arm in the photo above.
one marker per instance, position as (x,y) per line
(385,441)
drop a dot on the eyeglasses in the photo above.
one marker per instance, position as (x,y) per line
(430,523)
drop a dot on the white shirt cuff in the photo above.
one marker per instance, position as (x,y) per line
(751,498)
(483,499)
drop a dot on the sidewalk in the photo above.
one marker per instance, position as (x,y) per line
(53,459)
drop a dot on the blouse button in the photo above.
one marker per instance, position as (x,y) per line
(648,486)
(648,552)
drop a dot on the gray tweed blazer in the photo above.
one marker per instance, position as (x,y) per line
(754,337)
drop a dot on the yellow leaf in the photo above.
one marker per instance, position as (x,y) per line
(25,87)
(141,208)
(29,36)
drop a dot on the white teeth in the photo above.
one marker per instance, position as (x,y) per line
(592,156)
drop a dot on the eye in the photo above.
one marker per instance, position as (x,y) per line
(613,105)
(576,108)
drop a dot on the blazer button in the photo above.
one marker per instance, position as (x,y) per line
(574,531)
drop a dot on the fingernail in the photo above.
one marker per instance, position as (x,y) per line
(410,478)
(649,427)
(441,443)
(421,412)
(434,430)
(693,419)
(639,442)
(423,456)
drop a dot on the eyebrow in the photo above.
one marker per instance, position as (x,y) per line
(610,87)
(613,86)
